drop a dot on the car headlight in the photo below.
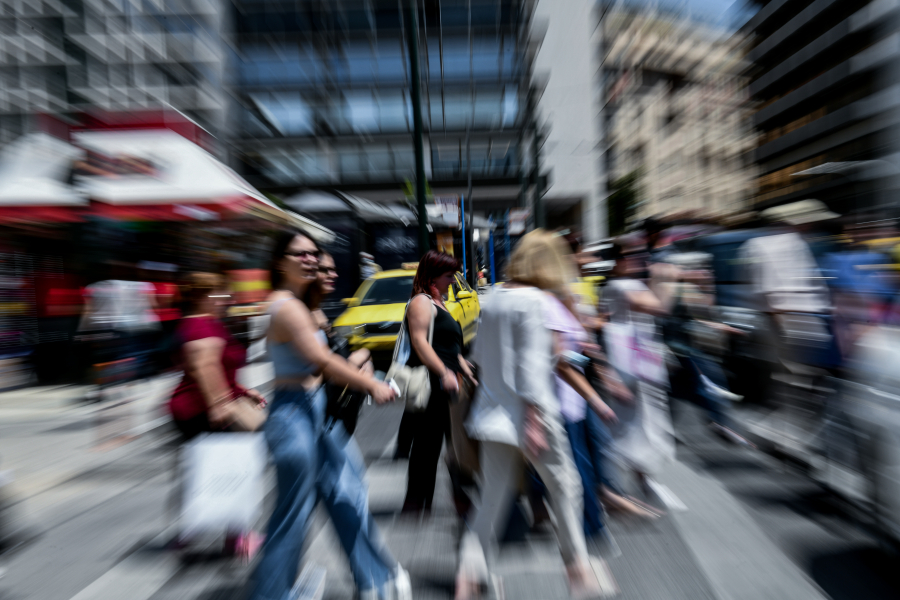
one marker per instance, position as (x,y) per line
(343,331)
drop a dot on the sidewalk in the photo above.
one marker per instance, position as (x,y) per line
(77,429)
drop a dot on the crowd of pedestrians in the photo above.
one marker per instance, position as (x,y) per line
(563,400)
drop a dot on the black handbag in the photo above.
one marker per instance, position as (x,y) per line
(343,403)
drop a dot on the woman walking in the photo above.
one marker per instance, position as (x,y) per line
(443,358)
(210,358)
(343,404)
(643,436)
(516,416)
(308,461)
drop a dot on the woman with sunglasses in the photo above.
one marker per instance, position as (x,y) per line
(310,462)
(343,403)
(210,358)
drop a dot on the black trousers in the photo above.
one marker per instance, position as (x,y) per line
(426,430)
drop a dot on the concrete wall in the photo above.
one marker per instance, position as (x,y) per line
(569,107)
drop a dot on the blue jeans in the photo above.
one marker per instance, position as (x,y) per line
(578,435)
(599,443)
(313,464)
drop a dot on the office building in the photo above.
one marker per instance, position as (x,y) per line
(676,113)
(568,115)
(322,97)
(824,77)
(64,57)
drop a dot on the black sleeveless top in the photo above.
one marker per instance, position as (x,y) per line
(447,341)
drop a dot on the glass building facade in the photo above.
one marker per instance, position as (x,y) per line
(322,93)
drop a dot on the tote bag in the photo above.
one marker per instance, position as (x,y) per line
(413,382)
(631,351)
(223,484)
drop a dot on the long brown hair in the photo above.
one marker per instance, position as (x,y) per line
(433,265)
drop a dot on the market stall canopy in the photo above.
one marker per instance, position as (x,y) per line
(33,186)
(160,175)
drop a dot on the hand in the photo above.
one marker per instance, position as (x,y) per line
(381,393)
(605,412)
(449,383)
(219,415)
(256,397)
(535,432)
(468,370)
(614,385)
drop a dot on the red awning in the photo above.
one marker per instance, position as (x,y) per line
(33,215)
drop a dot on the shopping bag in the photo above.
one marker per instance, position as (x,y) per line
(223,482)
(465,449)
(634,353)
(620,346)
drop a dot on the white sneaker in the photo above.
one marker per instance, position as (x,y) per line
(310,585)
(720,391)
(402,585)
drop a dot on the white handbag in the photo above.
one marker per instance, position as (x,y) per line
(413,382)
(224,482)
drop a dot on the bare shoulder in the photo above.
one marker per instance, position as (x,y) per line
(421,303)
(289,314)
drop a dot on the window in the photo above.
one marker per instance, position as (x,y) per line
(464,284)
(388,291)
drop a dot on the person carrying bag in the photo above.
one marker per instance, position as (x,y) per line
(413,382)
(209,399)
(435,341)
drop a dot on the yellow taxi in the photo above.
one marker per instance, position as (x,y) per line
(374,313)
(587,290)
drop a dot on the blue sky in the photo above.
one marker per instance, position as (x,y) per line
(723,12)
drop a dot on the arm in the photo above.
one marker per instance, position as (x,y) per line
(296,323)
(466,367)
(646,302)
(419,318)
(532,345)
(577,381)
(203,362)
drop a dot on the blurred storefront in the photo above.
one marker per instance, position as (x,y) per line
(126,201)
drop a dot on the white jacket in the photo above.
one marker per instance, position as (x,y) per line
(514,354)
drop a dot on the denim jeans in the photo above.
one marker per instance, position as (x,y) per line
(578,434)
(599,443)
(695,367)
(313,464)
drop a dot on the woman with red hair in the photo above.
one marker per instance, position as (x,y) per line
(443,358)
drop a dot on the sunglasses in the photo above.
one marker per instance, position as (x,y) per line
(323,269)
(302,253)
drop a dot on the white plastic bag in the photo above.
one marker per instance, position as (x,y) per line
(631,351)
(223,482)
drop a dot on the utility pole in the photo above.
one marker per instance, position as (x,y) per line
(540,219)
(412,38)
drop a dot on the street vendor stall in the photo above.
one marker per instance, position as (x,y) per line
(114,200)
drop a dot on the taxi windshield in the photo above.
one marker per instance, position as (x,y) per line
(393,290)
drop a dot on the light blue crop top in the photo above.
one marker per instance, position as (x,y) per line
(285,360)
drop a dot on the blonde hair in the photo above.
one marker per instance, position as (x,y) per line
(541,260)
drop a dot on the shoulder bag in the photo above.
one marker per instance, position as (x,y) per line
(413,382)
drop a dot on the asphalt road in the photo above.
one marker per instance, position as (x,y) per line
(98,525)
